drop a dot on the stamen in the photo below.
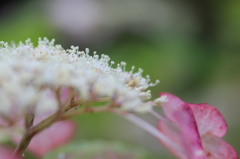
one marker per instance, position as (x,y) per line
(87,51)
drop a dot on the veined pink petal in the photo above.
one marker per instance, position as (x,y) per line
(52,137)
(216,148)
(171,105)
(190,138)
(209,119)
(192,118)
(182,130)
(6,153)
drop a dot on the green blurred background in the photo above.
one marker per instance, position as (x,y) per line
(192,46)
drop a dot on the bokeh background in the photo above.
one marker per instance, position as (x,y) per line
(192,46)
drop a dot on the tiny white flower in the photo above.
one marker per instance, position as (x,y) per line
(161,100)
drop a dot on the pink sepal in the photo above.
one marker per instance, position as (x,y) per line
(216,148)
(7,153)
(209,119)
(56,135)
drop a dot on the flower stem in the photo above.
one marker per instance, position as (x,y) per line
(152,130)
(23,144)
(64,114)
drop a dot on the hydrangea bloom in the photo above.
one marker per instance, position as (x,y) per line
(29,74)
(49,81)
(196,128)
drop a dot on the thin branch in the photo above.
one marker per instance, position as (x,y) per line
(84,110)
(29,118)
(58,97)
(158,116)
(23,144)
(70,97)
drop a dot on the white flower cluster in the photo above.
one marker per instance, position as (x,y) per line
(26,72)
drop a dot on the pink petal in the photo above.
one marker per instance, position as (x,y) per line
(190,137)
(51,138)
(185,134)
(209,119)
(6,153)
(216,148)
(171,105)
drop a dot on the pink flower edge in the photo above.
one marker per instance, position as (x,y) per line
(208,118)
(210,126)
(56,135)
(182,130)
(7,153)
(216,148)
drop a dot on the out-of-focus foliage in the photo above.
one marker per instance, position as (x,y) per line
(99,149)
(193,47)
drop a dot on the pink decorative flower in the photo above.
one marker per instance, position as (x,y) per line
(7,153)
(196,129)
(55,136)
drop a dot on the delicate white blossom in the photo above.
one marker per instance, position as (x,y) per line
(27,73)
